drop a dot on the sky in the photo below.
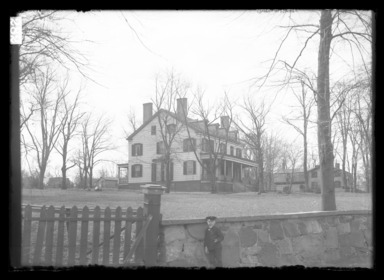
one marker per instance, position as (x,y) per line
(216,50)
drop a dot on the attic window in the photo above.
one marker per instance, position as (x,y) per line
(153,130)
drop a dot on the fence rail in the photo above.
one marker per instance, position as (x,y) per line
(92,236)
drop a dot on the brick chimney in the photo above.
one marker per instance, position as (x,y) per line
(147,111)
(224,122)
(182,107)
(337,165)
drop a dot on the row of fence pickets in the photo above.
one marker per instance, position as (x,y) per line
(51,222)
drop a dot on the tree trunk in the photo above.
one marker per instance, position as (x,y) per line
(41,177)
(64,178)
(261,171)
(306,181)
(167,175)
(212,169)
(324,119)
(90,177)
(344,174)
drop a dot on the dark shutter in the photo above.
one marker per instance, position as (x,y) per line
(133,150)
(132,171)
(171,172)
(141,170)
(194,167)
(185,145)
(162,172)
(153,172)
(185,168)
(140,149)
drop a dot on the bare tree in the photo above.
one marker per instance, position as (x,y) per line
(363,113)
(272,150)
(352,27)
(48,98)
(166,94)
(43,42)
(305,104)
(253,131)
(292,155)
(133,123)
(95,141)
(214,138)
(72,118)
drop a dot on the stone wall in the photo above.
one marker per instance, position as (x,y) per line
(315,239)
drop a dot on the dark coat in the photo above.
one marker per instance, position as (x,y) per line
(210,236)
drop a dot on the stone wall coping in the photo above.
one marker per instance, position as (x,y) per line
(270,217)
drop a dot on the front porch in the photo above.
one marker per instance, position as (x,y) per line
(122,174)
(231,170)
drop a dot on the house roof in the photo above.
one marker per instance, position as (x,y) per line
(197,125)
(334,169)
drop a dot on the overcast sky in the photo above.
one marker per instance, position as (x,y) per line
(216,50)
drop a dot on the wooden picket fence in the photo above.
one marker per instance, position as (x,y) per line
(69,236)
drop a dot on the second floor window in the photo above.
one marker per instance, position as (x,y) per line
(189,167)
(189,144)
(137,149)
(208,146)
(314,174)
(137,170)
(153,130)
(222,148)
(232,151)
(160,148)
(238,153)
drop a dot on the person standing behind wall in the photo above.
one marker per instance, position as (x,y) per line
(212,242)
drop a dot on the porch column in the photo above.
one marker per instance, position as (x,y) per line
(233,175)
(152,202)
(241,171)
(225,168)
(118,174)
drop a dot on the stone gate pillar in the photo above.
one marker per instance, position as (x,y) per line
(152,202)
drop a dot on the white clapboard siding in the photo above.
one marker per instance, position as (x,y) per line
(149,153)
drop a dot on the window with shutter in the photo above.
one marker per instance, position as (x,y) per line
(189,144)
(189,167)
(137,170)
(137,149)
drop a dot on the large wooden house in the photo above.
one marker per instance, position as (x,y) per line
(189,153)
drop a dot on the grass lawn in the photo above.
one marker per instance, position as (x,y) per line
(179,205)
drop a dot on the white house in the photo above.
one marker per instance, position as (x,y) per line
(145,150)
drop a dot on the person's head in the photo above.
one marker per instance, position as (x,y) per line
(211,220)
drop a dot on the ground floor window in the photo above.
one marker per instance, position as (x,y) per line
(137,171)
(189,167)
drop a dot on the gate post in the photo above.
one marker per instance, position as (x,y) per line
(152,202)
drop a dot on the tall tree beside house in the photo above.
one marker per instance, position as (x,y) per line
(253,129)
(48,97)
(305,108)
(167,92)
(348,26)
(215,137)
(272,150)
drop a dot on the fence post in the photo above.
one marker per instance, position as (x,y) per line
(152,202)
